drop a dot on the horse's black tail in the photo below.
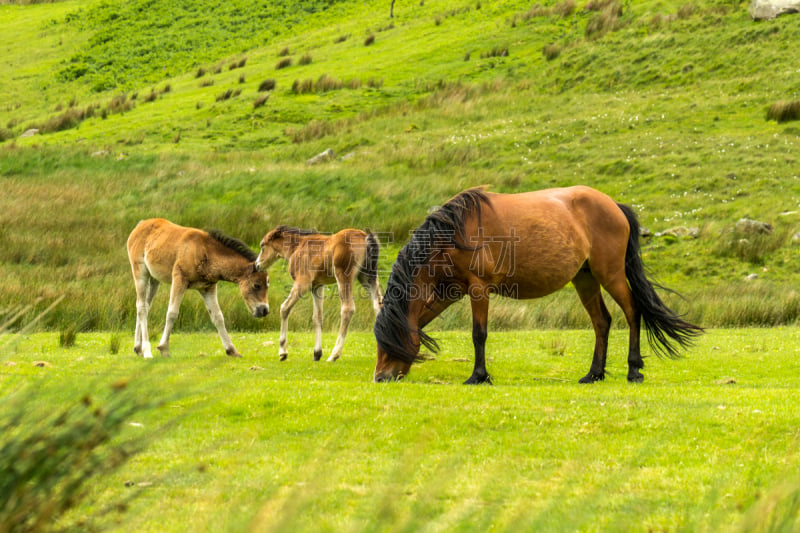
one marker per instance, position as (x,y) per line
(369,270)
(662,324)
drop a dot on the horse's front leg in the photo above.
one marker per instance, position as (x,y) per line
(286,308)
(175,297)
(212,306)
(480,318)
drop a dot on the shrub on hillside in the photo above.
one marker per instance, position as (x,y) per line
(783,111)
(266,85)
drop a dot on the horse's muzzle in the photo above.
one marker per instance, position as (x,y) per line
(261,311)
(387,378)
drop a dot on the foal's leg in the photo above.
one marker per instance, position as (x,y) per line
(345,284)
(286,307)
(146,287)
(480,318)
(318,294)
(175,297)
(374,290)
(589,292)
(212,305)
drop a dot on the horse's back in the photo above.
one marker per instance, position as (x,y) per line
(157,243)
(543,238)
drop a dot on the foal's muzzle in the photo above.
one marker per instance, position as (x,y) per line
(261,311)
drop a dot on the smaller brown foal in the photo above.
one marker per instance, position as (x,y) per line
(316,260)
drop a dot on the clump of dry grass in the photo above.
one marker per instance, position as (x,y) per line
(784,111)
(260,101)
(266,85)
(551,51)
(284,63)
(606,19)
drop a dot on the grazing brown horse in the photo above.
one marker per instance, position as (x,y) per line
(188,258)
(523,246)
(316,260)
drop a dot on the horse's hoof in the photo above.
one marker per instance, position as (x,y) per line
(592,378)
(479,380)
(234,354)
(283,356)
(317,355)
(332,359)
(636,378)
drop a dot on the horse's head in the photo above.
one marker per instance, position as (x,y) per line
(254,291)
(389,369)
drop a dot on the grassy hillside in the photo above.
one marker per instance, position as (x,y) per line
(207,117)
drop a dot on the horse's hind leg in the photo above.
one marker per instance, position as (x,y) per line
(345,284)
(318,295)
(212,305)
(373,289)
(146,287)
(620,291)
(589,292)
(616,284)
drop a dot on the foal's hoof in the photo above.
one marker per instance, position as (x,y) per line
(283,356)
(317,355)
(592,378)
(234,353)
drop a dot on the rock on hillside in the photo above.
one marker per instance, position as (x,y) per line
(769,9)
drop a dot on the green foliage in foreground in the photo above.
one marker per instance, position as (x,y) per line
(709,442)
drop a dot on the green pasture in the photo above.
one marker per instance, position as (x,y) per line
(708,442)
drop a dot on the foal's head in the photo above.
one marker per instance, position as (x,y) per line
(253,287)
(280,242)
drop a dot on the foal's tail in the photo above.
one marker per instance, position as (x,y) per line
(661,323)
(369,270)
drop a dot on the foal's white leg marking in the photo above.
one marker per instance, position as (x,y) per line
(318,293)
(175,297)
(375,295)
(348,308)
(212,305)
(145,291)
(286,308)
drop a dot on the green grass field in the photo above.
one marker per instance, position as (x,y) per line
(708,442)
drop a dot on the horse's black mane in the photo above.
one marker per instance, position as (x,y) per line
(444,227)
(234,244)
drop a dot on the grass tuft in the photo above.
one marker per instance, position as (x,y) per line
(784,111)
